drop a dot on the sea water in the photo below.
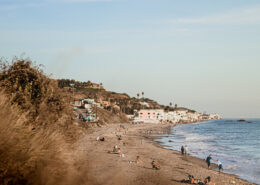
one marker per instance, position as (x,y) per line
(236,144)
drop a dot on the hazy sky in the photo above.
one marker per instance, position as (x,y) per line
(197,53)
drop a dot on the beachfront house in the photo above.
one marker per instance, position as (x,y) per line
(214,117)
(205,116)
(172,116)
(150,115)
(193,116)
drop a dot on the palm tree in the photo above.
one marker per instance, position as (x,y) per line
(88,83)
(143,94)
(170,105)
(138,95)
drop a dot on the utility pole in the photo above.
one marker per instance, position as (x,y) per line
(96,111)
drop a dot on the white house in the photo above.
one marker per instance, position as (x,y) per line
(214,117)
(193,116)
(89,101)
(172,116)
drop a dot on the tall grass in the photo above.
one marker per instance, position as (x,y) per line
(32,155)
(37,136)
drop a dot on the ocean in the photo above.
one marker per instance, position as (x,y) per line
(236,144)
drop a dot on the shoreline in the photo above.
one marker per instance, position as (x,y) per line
(109,168)
(162,146)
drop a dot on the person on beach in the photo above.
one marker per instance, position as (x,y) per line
(220,166)
(138,160)
(208,181)
(156,165)
(186,150)
(192,180)
(182,150)
(208,160)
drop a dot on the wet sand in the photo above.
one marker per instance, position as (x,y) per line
(105,167)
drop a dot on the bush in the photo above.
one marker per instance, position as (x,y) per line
(29,88)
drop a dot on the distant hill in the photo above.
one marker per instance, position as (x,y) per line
(126,103)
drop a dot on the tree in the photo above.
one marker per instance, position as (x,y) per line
(170,106)
(176,106)
(88,83)
(143,94)
(138,95)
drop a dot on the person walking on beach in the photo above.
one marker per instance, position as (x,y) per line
(182,150)
(208,160)
(220,166)
(185,150)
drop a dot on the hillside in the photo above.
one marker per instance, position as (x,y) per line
(127,104)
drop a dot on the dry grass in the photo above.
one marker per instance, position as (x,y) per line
(36,131)
(33,92)
(37,155)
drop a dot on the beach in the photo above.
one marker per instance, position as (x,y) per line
(102,166)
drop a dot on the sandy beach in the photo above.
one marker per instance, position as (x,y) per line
(106,167)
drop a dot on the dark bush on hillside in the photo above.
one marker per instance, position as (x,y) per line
(31,90)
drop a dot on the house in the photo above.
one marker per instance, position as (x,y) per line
(89,101)
(150,115)
(104,103)
(205,116)
(130,117)
(88,106)
(172,116)
(78,103)
(95,86)
(193,116)
(214,117)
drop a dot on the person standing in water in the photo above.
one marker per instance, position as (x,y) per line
(220,166)
(208,160)
(185,150)
(182,150)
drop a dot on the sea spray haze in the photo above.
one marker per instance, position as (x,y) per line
(37,137)
(236,144)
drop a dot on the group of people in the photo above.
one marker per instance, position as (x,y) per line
(192,180)
(208,161)
(184,151)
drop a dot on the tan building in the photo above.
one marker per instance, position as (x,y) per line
(95,86)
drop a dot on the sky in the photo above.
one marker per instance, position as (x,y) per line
(200,54)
